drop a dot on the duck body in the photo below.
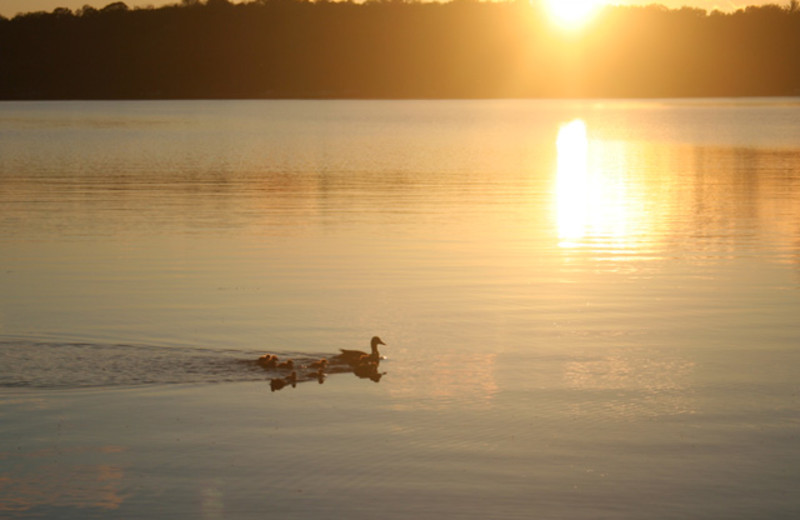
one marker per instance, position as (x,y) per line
(358,357)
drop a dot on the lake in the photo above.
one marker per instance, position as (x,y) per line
(591,308)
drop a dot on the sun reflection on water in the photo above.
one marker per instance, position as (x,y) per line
(443,378)
(572,181)
(593,199)
(627,383)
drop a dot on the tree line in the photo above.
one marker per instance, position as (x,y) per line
(395,49)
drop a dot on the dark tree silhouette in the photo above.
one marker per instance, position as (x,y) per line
(394,49)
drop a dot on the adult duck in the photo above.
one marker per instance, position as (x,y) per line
(357,357)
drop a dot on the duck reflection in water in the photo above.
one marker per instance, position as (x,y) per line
(368,370)
(361,364)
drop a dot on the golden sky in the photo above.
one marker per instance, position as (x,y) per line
(9,8)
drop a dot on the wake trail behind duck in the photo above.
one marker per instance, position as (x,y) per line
(44,364)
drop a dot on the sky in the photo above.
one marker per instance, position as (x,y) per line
(9,8)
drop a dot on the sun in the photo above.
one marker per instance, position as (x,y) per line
(572,14)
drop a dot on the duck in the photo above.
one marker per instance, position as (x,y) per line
(358,357)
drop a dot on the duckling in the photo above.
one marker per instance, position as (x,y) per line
(287,365)
(356,357)
(321,364)
(268,361)
(276,384)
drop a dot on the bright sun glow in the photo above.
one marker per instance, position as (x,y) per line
(572,14)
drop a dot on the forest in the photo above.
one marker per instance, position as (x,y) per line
(395,49)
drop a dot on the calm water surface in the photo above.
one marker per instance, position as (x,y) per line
(591,308)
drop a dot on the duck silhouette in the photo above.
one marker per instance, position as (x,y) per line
(359,357)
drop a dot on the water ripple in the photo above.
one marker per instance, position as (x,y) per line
(37,364)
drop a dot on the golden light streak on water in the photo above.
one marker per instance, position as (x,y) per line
(598,202)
